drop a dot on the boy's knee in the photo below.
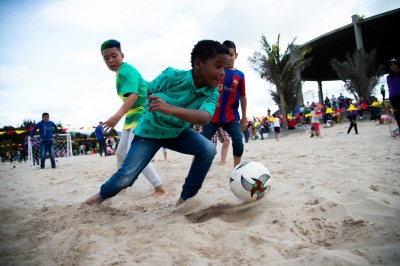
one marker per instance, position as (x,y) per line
(209,149)
(238,149)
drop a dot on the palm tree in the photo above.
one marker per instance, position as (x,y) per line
(281,69)
(360,73)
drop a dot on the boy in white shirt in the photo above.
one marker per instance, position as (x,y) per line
(315,121)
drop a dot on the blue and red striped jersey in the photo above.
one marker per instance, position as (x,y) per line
(230,89)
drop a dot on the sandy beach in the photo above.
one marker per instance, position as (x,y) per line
(333,201)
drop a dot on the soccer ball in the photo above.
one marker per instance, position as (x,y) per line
(250,181)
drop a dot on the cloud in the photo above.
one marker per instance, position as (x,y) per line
(15,76)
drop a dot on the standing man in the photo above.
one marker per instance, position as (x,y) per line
(46,139)
(383,92)
(333,100)
(340,100)
(100,139)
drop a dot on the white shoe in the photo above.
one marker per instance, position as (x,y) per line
(360,117)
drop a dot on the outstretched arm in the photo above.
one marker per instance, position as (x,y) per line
(155,103)
(112,121)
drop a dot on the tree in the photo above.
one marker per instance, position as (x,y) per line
(360,73)
(291,95)
(281,69)
(28,123)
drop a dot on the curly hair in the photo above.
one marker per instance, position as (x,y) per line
(110,44)
(207,49)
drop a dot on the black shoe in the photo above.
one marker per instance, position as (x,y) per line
(53,167)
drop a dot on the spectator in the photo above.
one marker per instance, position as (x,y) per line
(264,127)
(327,102)
(340,100)
(360,102)
(292,124)
(334,101)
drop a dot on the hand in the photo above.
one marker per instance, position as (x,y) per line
(243,124)
(155,103)
(111,123)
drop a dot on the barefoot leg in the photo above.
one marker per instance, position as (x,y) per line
(159,191)
(179,202)
(95,199)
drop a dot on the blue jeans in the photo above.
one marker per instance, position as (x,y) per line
(262,131)
(233,129)
(47,145)
(142,151)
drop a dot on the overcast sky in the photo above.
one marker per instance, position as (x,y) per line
(50,58)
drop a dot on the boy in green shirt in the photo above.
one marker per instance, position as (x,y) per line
(176,99)
(132,89)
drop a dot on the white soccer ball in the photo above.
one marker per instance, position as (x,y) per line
(250,181)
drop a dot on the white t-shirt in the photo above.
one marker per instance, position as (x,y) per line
(314,118)
(277,122)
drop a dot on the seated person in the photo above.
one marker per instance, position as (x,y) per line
(292,124)
(328,124)
(264,129)
(335,117)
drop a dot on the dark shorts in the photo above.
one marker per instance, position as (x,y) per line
(277,129)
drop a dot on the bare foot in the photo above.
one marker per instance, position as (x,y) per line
(94,200)
(179,202)
(159,191)
(122,192)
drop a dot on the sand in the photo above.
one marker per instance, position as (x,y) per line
(334,201)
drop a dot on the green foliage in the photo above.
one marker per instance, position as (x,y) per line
(26,124)
(360,73)
(281,69)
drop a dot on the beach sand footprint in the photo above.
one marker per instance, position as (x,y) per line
(227,211)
